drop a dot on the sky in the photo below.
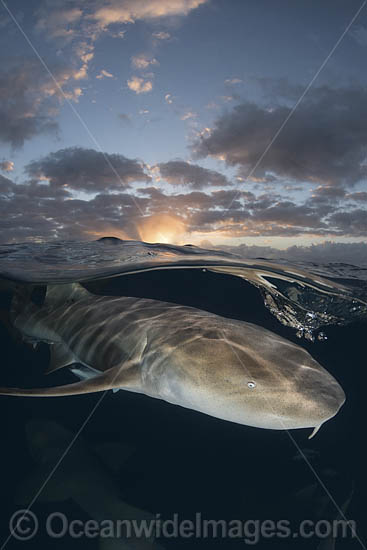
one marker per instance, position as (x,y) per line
(211,122)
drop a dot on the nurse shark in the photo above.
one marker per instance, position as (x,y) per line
(226,368)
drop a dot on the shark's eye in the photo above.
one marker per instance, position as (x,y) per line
(251,385)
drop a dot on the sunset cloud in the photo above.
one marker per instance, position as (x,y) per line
(79,25)
(6,165)
(61,21)
(180,146)
(140,85)
(180,172)
(46,205)
(143,61)
(304,150)
(162,35)
(30,99)
(104,74)
(230,81)
(87,170)
(58,22)
(125,118)
(358,196)
(187,115)
(129,11)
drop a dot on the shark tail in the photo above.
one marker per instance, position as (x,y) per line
(102,382)
(124,376)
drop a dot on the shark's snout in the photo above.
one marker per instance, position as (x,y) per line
(325,402)
(330,399)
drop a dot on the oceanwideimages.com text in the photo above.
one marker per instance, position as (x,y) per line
(24,525)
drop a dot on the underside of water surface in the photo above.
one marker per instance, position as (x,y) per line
(306,297)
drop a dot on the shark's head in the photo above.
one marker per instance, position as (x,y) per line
(246,374)
(288,389)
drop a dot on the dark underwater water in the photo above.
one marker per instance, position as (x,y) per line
(184,462)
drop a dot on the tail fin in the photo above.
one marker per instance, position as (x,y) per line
(99,383)
(125,376)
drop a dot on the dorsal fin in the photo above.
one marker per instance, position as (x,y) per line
(61,293)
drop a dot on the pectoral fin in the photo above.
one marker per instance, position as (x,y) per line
(60,356)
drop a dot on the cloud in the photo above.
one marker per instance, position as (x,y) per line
(125,119)
(35,210)
(46,210)
(73,95)
(24,104)
(139,85)
(143,61)
(64,25)
(324,141)
(358,196)
(161,35)
(289,213)
(87,170)
(327,193)
(57,20)
(84,51)
(6,165)
(360,35)
(188,114)
(48,205)
(323,253)
(227,98)
(30,99)
(6,185)
(230,81)
(350,223)
(25,209)
(179,172)
(129,11)
(104,74)
(78,25)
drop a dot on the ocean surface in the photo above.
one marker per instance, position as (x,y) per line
(136,455)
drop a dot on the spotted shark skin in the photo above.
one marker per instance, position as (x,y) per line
(229,369)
